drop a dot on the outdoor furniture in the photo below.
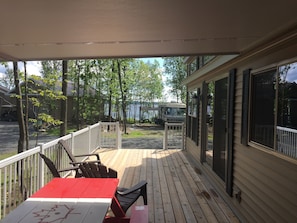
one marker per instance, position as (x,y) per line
(139,214)
(72,157)
(54,170)
(68,200)
(125,196)
(92,170)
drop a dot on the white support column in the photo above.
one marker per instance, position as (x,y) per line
(119,136)
(41,167)
(89,139)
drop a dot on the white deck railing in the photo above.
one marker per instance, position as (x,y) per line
(23,174)
(287,141)
(174,136)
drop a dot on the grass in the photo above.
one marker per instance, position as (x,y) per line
(135,134)
(56,131)
(142,133)
(6,155)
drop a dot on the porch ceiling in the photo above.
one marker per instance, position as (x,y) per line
(36,30)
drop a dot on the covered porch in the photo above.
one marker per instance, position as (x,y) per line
(177,190)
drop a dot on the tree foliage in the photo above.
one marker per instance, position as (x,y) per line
(7,80)
(175,70)
(101,89)
(46,92)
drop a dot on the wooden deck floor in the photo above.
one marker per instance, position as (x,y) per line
(176,193)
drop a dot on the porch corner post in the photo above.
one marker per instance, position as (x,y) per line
(165,139)
(41,167)
(72,142)
(184,136)
(89,139)
(99,132)
(119,136)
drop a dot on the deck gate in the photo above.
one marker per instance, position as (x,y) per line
(174,136)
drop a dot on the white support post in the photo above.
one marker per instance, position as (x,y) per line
(165,138)
(184,136)
(99,137)
(118,134)
(89,139)
(72,143)
(41,167)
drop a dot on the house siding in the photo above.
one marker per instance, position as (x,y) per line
(193,149)
(266,179)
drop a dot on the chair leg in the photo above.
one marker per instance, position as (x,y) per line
(143,193)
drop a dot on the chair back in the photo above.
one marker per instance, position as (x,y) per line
(94,170)
(50,165)
(65,146)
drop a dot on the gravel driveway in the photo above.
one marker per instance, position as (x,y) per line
(9,136)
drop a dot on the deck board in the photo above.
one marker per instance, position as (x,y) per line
(176,191)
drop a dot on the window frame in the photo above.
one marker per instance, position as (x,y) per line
(193,104)
(248,89)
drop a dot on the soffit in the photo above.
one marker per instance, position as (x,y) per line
(68,29)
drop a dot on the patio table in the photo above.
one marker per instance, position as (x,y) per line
(67,200)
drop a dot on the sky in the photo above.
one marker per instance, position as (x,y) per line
(33,67)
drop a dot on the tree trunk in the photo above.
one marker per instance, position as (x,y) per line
(22,130)
(77,97)
(19,105)
(63,127)
(26,109)
(123,99)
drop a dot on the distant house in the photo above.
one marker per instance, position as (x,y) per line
(242,127)
(6,102)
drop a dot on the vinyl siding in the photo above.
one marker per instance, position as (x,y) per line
(267,180)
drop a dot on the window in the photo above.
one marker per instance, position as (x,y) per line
(262,112)
(193,114)
(193,66)
(192,104)
(273,109)
(197,63)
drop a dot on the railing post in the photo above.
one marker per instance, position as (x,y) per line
(99,137)
(183,136)
(72,143)
(89,139)
(41,167)
(165,138)
(118,134)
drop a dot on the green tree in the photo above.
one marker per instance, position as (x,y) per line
(124,78)
(148,82)
(46,91)
(89,90)
(176,72)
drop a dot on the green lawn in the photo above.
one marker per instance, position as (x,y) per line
(6,155)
